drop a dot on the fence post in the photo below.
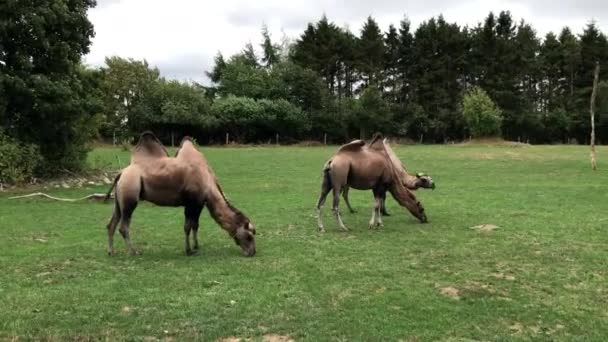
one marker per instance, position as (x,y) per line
(277,138)
(325,139)
(227,138)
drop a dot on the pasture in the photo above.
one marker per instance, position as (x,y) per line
(541,275)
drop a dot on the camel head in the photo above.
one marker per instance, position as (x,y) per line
(244,237)
(424,181)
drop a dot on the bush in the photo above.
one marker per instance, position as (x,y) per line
(483,117)
(18,162)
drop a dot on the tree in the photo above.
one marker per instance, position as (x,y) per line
(125,83)
(370,52)
(270,50)
(481,114)
(405,61)
(391,63)
(371,112)
(218,68)
(173,107)
(44,94)
(550,59)
(249,56)
(593,48)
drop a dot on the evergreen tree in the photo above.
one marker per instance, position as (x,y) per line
(593,48)
(550,60)
(391,64)
(405,60)
(371,52)
(218,68)
(249,56)
(270,50)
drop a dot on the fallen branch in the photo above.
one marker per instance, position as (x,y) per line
(96,196)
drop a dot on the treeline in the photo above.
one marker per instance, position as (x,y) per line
(411,83)
(440,82)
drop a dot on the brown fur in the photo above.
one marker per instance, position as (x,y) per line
(412,182)
(185,180)
(365,167)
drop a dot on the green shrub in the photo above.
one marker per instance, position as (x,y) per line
(483,117)
(18,162)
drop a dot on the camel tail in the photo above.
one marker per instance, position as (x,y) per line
(327,166)
(112,187)
(327,183)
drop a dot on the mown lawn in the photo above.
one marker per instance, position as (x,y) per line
(542,275)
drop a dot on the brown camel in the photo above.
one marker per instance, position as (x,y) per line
(365,167)
(412,182)
(185,180)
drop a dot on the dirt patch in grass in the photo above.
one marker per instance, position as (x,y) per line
(485,227)
(450,291)
(277,338)
(230,339)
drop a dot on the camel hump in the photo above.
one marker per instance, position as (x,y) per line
(354,145)
(378,142)
(376,138)
(148,135)
(186,138)
(149,146)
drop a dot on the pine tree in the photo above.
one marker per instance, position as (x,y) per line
(391,64)
(270,50)
(249,56)
(371,52)
(405,60)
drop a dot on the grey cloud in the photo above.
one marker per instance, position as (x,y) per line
(190,67)
(568,8)
(286,18)
(104,3)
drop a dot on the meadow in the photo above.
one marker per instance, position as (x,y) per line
(542,274)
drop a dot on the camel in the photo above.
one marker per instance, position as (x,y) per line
(185,180)
(365,167)
(412,182)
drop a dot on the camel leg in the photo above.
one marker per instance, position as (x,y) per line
(195,234)
(325,187)
(345,196)
(112,228)
(383,206)
(191,214)
(376,220)
(336,208)
(125,221)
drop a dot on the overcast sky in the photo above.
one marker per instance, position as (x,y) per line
(181,37)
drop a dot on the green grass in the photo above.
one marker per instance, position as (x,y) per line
(543,275)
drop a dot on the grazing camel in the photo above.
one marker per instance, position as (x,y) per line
(365,167)
(185,180)
(412,182)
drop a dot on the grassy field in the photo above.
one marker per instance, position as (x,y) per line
(542,275)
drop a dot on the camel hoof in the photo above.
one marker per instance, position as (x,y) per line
(352,211)
(192,252)
(344,229)
(321,230)
(386,214)
(110,253)
(134,252)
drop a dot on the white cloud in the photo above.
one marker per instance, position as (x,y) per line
(182,36)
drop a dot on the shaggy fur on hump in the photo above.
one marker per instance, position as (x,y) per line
(149,145)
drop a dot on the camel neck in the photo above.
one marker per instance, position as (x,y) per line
(222,212)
